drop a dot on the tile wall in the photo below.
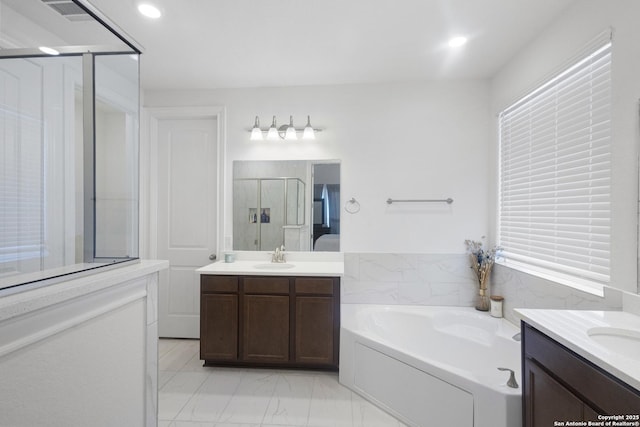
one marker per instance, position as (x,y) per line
(422,279)
(447,279)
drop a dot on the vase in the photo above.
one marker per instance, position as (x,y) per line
(482,303)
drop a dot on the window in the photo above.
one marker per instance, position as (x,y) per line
(554,213)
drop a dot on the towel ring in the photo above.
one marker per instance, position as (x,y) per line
(352,206)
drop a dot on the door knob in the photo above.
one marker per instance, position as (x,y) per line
(212,257)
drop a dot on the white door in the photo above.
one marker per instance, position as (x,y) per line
(186,218)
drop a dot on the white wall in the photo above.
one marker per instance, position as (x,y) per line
(560,41)
(404,141)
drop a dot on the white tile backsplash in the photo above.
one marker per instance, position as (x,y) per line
(447,279)
(522,290)
(422,279)
(631,303)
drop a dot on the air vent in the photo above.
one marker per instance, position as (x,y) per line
(68,9)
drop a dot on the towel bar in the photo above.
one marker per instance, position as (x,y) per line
(448,201)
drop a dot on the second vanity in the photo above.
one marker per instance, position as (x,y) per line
(256,313)
(580,366)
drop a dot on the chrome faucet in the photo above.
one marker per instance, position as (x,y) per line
(278,255)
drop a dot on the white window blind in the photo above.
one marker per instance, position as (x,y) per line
(21,189)
(555,174)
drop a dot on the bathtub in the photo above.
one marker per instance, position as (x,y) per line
(432,366)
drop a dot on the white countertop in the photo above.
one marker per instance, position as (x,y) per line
(570,328)
(298,268)
(40,297)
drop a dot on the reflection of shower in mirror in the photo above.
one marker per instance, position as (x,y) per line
(274,202)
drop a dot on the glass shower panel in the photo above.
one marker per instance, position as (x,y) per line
(48,153)
(301,203)
(245,215)
(295,201)
(116,156)
(39,163)
(272,213)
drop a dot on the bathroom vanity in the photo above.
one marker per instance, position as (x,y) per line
(579,366)
(265,315)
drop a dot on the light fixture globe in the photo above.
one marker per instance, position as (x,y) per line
(290,133)
(272,134)
(308,133)
(256,132)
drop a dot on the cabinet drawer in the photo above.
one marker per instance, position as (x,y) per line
(314,285)
(266,285)
(593,384)
(228,284)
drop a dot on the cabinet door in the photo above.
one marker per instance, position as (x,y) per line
(219,326)
(314,330)
(546,400)
(265,329)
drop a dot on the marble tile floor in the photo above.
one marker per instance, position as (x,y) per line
(191,395)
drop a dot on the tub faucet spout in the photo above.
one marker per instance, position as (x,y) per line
(512,378)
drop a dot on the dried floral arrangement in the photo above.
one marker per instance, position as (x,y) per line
(482,261)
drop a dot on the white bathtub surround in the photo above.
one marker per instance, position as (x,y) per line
(83,351)
(420,279)
(432,365)
(522,290)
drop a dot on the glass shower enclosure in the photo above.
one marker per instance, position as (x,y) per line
(264,209)
(69,113)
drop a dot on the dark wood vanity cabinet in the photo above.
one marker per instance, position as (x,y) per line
(560,385)
(317,322)
(219,317)
(270,321)
(265,320)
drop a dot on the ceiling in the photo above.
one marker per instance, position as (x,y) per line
(200,44)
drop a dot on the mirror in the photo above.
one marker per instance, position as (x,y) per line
(274,204)
(326,207)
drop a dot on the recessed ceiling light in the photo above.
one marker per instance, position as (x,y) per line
(149,10)
(457,41)
(48,50)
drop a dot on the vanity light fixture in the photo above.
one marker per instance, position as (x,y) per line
(288,132)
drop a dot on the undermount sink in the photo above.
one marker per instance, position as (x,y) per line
(625,342)
(274,266)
